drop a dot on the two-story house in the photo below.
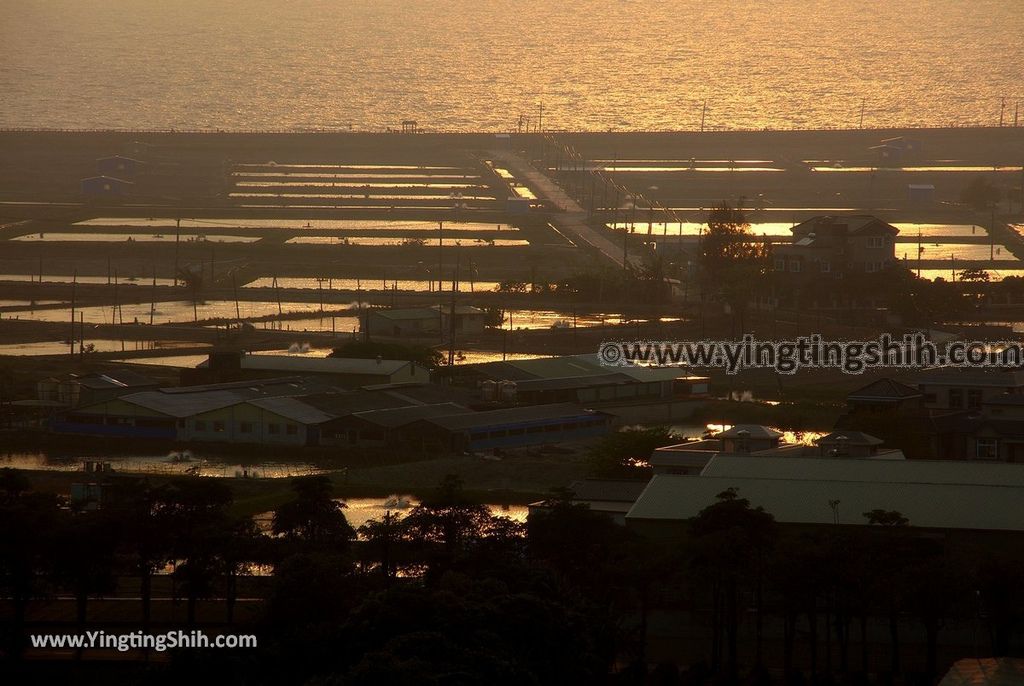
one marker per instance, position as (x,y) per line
(837,247)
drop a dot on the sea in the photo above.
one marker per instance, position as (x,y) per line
(498,65)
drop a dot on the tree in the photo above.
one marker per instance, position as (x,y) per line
(733,264)
(1000,595)
(313,517)
(30,521)
(886,518)
(608,566)
(624,454)
(469,632)
(889,551)
(382,539)
(448,518)
(84,558)
(13,483)
(195,511)
(649,283)
(494,317)
(572,540)
(310,589)
(241,544)
(935,594)
(145,533)
(917,299)
(974,276)
(517,287)
(980,194)
(730,543)
(799,575)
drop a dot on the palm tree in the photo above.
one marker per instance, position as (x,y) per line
(240,545)
(199,568)
(889,551)
(731,541)
(84,558)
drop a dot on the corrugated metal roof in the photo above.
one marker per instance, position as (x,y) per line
(250,385)
(560,367)
(118,378)
(186,401)
(107,179)
(399,416)
(608,490)
(387,396)
(802,501)
(348,402)
(573,382)
(572,366)
(501,371)
(405,314)
(651,374)
(182,405)
(446,309)
(326,365)
(867,469)
(292,408)
(512,415)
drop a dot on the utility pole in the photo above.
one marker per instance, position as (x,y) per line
(440,255)
(152,301)
(177,248)
(74,283)
(992,235)
(234,287)
(451,323)
(113,312)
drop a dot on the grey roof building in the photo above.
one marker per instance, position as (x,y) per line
(339,371)
(829,501)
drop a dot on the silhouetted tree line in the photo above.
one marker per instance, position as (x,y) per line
(451,594)
(644,283)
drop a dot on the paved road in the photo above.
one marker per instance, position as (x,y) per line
(569,217)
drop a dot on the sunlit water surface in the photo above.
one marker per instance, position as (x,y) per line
(480,64)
